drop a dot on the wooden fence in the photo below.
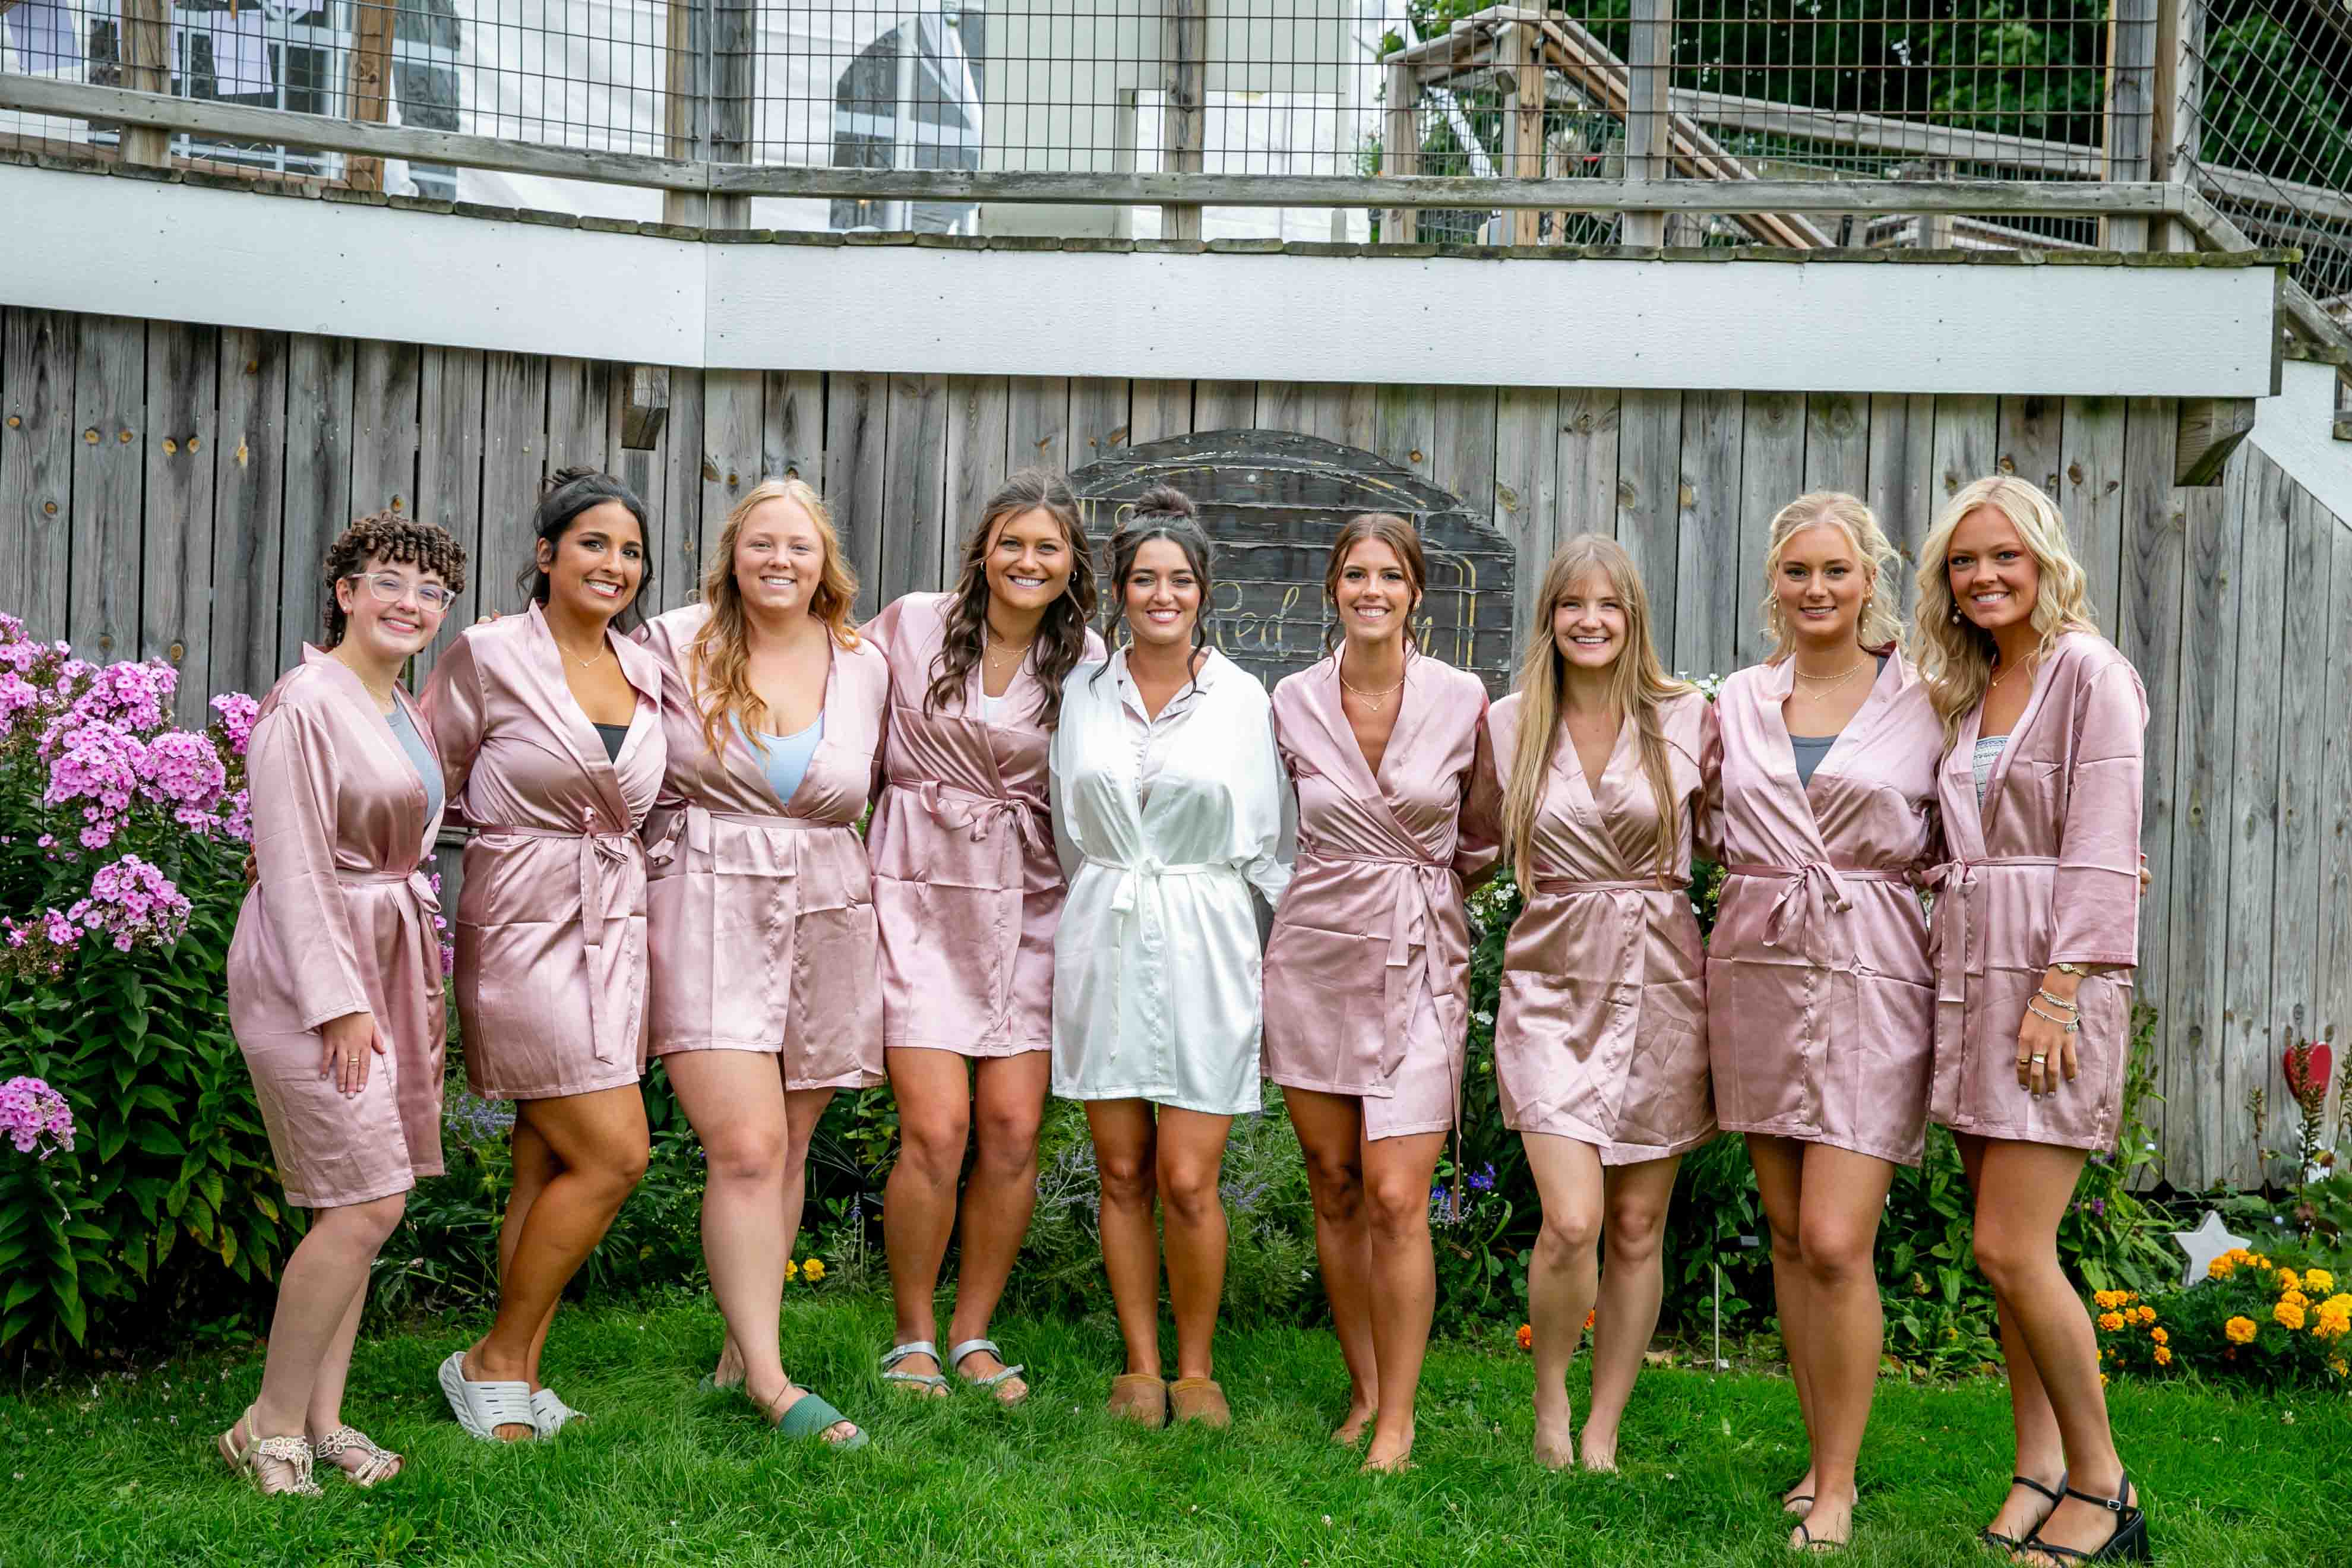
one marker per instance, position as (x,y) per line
(168,490)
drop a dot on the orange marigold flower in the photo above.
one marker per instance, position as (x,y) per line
(2147,1314)
(2336,1366)
(2287,1314)
(2111,1322)
(2284,1280)
(2240,1331)
(2221,1267)
(1526,1336)
(2159,1336)
(2163,1356)
(1591,1318)
(2106,1300)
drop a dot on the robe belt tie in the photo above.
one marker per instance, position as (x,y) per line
(1433,882)
(692,823)
(1149,868)
(1815,890)
(422,942)
(1957,888)
(601,855)
(982,814)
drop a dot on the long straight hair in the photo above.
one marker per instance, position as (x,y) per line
(1956,654)
(1638,685)
(1062,632)
(722,649)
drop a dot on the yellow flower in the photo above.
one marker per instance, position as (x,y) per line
(2147,1314)
(2221,1267)
(2163,1356)
(2295,1298)
(2111,1322)
(2285,1282)
(812,1270)
(2287,1315)
(2241,1330)
(2336,1366)
(792,1269)
(2334,1318)
(2159,1336)
(2104,1301)
(2319,1281)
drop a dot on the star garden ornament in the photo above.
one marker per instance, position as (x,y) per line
(2206,1243)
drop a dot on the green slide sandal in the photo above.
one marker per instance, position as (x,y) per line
(811,1416)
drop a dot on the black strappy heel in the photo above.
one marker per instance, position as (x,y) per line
(2128,1543)
(1993,1537)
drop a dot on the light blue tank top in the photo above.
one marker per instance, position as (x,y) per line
(788,756)
(420,757)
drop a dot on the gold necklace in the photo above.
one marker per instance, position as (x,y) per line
(995,642)
(601,650)
(1825,682)
(1994,684)
(1375,700)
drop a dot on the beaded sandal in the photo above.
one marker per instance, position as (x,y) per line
(294,1453)
(380,1464)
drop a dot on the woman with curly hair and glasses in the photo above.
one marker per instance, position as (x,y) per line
(334,977)
(968,894)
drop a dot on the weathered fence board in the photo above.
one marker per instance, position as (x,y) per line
(36,456)
(914,500)
(1649,492)
(1837,442)
(176,564)
(1771,475)
(2090,493)
(1708,580)
(1588,482)
(1158,409)
(248,530)
(2027,441)
(979,407)
(514,468)
(2332,950)
(1526,434)
(387,431)
(1966,434)
(109,477)
(682,492)
(2252,823)
(734,435)
(857,448)
(1902,480)
(317,482)
(2303,713)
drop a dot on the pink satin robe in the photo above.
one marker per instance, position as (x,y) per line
(1367,973)
(2046,873)
(340,921)
(966,885)
(1819,989)
(760,911)
(1601,1031)
(551,917)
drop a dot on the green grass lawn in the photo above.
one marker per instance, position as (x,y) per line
(123,1472)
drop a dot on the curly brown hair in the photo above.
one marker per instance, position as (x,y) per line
(385,537)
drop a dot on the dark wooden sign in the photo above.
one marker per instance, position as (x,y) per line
(1274,502)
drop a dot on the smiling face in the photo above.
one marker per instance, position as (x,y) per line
(390,632)
(594,570)
(1029,560)
(1820,585)
(1374,595)
(1589,623)
(1160,595)
(1993,576)
(779,559)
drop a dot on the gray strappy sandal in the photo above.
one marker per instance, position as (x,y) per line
(932,1383)
(957,1353)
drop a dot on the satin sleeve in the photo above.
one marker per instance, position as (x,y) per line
(1066,846)
(457,711)
(290,772)
(2095,915)
(1707,806)
(1478,843)
(1267,865)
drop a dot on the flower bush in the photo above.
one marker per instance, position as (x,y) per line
(2253,1320)
(121,848)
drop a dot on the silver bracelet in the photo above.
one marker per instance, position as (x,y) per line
(2069,1025)
(2070,1007)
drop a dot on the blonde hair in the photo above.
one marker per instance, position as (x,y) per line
(1956,654)
(1881,625)
(1638,684)
(722,650)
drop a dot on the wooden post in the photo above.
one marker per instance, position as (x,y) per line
(144,47)
(1649,72)
(2176,107)
(1184,128)
(371,84)
(1521,55)
(644,407)
(1934,228)
(707,112)
(2130,119)
(1401,149)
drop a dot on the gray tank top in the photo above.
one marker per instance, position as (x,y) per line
(420,757)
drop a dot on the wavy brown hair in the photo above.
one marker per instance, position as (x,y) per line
(1062,632)
(722,649)
(1399,535)
(388,539)
(1638,684)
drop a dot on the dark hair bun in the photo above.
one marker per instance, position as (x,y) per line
(563,477)
(1165,500)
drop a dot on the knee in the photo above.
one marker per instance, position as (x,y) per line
(1005,1142)
(374,1222)
(933,1145)
(747,1153)
(1399,1209)
(1128,1180)
(1190,1194)
(1833,1256)
(617,1168)
(2008,1256)
(1567,1235)
(1337,1187)
(1635,1232)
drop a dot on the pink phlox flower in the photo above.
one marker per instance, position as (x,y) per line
(35,1117)
(235,712)
(134,903)
(237,821)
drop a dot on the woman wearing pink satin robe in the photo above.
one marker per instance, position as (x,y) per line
(1818,983)
(967,893)
(1601,1037)
(549,729)
(1367,971)
(760,907)
(334,978)
(2036,936)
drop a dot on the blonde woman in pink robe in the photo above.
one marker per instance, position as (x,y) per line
(1818,983)
(760,907)
(1367,973)
(548,725)
(967,893)
(2036,936)
(334,979)
(1601,1037)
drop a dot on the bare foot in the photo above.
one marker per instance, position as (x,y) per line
(980,1364)
(472,1369)
(1828,1526)
(1389,1456)
(1555,1434)
(773,1409)
(1799,1499)
(1598,1449)
(729,1372)
(1361,1410)
(2084,1527)
(2022,1512)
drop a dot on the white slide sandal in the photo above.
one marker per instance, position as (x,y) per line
(481,1408)
(549,1413)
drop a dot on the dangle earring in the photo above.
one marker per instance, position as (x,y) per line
(1956,612)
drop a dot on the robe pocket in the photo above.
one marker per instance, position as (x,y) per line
(1326,998)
